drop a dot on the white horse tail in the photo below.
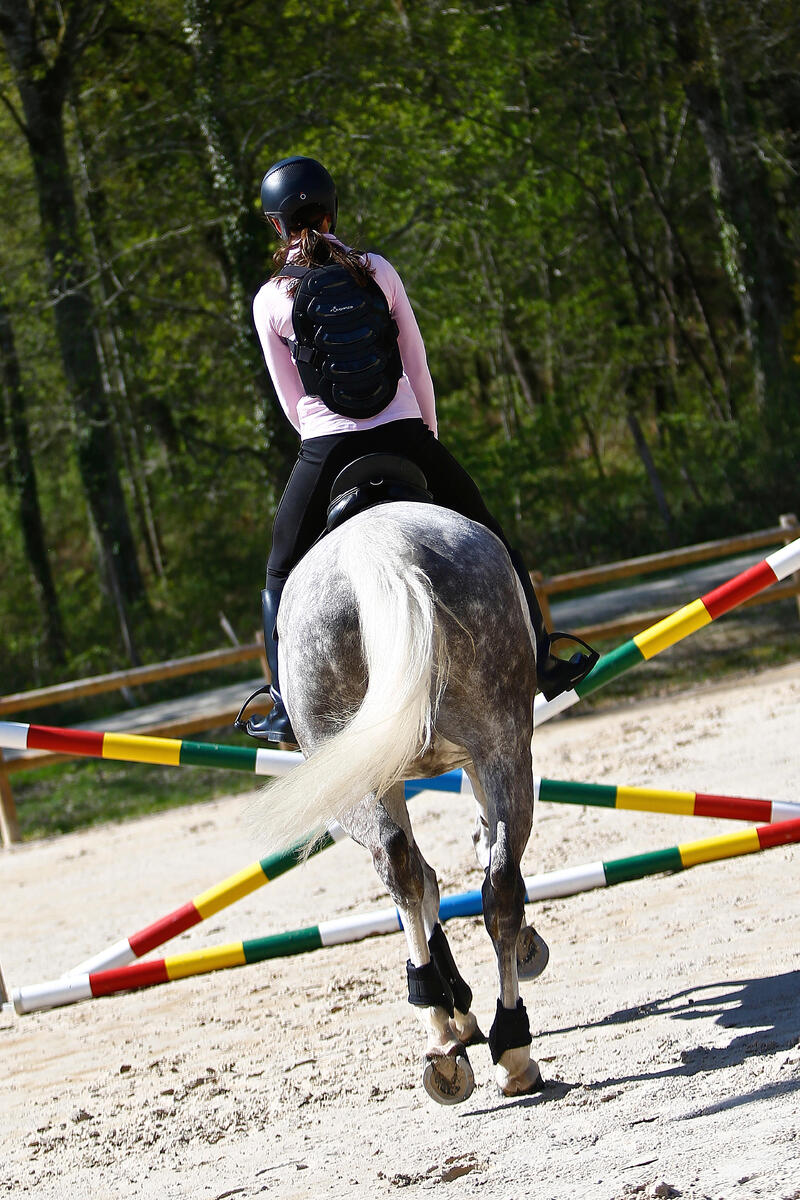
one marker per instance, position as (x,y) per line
(406,675)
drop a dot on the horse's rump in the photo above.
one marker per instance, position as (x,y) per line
(396,632)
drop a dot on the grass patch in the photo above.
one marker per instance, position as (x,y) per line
(84,792)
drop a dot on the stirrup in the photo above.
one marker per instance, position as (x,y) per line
(275,726)
(557,675)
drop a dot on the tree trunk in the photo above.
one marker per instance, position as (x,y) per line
(643,450)
(242,235)
(42,89)
(23,480)
(752,239)
(113,360)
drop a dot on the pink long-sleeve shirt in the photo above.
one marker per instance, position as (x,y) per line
(272,315)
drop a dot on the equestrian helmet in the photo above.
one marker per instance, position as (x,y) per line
(293,185)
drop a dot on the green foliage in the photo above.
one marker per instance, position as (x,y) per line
(540,176)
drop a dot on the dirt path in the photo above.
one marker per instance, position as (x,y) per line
(667,1024)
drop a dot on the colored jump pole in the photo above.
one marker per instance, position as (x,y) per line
(551,885)
(205,905)
(637,799)
(171,752)
(135,747)
(673,629)
(214,899)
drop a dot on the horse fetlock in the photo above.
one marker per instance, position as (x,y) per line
(442,1035)
(464,1027)
(517,1073)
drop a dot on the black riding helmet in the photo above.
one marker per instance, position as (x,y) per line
(293,185)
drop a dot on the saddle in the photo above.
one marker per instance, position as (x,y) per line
(375,479)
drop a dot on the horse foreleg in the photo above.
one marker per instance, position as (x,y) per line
(507,790)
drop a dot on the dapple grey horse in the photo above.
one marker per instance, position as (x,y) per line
(405,651)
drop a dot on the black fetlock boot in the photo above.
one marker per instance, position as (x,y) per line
(554,675)
(275,726)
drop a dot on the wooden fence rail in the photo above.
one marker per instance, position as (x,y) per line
(20,702)
(786,531)
(211,660)
(211,718)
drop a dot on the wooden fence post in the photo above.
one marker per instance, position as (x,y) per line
(537,579)
(258,638)
(789,522)
(9,824)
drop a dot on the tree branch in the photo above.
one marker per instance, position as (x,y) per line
(16,117)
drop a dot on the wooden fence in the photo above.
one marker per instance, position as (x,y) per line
(786,531)
(210,718)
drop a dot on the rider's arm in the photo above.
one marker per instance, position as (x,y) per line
(410,343)
(267,313)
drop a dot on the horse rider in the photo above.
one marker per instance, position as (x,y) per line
(299,198)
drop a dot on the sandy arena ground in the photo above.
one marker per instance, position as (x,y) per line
(667,1024)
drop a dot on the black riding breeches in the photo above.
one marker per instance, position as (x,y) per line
(303,508)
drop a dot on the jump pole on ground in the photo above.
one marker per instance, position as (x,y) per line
(254,876)
(551,885)
(646,645)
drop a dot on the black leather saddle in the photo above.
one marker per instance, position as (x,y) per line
(375,479)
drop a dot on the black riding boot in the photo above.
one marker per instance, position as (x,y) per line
(275,726)
(554,675)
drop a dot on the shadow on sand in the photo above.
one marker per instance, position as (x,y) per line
(766,1010)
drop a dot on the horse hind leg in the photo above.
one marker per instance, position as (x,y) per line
(434,984)
(463,1024)
(533,953)
(507,787)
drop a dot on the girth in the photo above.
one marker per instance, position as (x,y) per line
(375,479)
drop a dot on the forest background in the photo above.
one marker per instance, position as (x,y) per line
(595,208)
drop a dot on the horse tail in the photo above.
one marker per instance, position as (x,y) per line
(406,672)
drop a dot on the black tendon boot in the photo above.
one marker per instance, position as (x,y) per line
(275,726)
(554,675)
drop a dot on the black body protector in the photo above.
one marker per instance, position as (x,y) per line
(345,340)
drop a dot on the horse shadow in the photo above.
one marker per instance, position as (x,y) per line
(767,1010)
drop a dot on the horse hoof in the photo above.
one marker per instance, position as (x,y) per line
(448,1078)
(529,1080)
(533,953)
